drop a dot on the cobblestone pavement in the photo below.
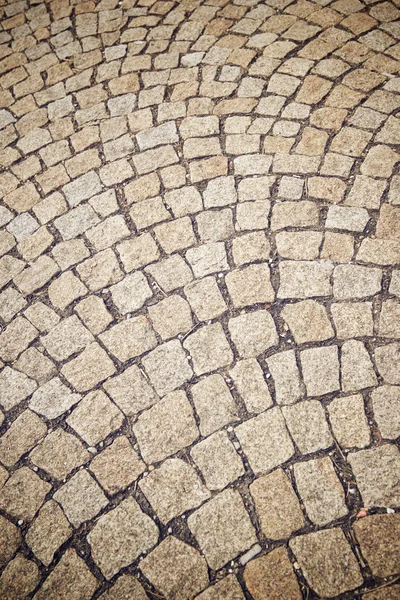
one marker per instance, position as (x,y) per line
(200,314)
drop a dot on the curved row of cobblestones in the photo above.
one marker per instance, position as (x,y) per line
(199,299)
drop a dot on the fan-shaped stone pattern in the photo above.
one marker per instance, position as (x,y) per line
(199,298)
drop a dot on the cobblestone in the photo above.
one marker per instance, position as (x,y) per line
(199,299)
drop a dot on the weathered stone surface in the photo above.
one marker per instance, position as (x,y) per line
(100,271)
(307,425)
(10,539)
(209,349)
(387,360)
(225,588)
(250,285)
(286,377)
(89,368)
(131,391)
(327,562)
(320,370)
(205,298)
(349,422)
(95,418)
(19,578)
(304,279)
(199,267)
(131,293)
(67,338)
(249,380)
(222,528)
(171,317)
(130,338)
(218,460)
(171,273)
(59,453)
(308,321)
(52,399)
(166,428)
(16,338)
(117,466)
(214,403)
(25,432)
(48,532)
(354,281)
(71,579)
(272,576)
(377,475)
(389,319)
(177,570)
(81,498)
(126,586)
(173,488)
(265,440)
(277,505)
(167,367)
(14,387)
(23,494)
(120,536)
(378,536)
(207,259)
(385,404)
(357,368)
(352,319)
(253,333)
(320,490)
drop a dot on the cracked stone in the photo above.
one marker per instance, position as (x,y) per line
(249,380)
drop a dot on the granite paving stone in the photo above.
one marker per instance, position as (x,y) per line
(199,299)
